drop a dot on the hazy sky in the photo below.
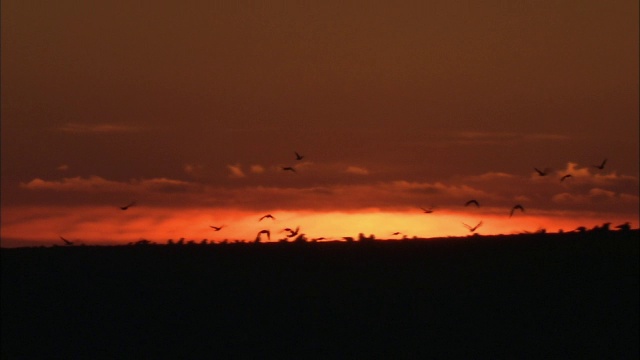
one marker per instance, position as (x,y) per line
(193,108)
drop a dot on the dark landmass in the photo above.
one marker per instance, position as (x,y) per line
(571,295)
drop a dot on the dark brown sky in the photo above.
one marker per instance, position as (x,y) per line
(424,92)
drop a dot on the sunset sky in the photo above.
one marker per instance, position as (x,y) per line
(192,108)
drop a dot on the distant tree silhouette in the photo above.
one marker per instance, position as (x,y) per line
(603,228)
(363,238)
(624,227)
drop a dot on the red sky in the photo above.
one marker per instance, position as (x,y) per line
(192,110)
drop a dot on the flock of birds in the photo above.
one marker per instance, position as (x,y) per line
(297,235)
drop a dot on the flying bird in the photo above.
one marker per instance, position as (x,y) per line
(473,201)
(540,172)
(263,232)
(298,156)
(216,228)
(293,233)
(127,206)
(396,233)
(66,242)
(516,208)
(601,166)
(268,216)
(288,168)
(426,211)
(565,177)
(472,229)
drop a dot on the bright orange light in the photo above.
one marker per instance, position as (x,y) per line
(105,225)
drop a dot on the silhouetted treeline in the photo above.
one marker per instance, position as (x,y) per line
(537,295)
(597,231)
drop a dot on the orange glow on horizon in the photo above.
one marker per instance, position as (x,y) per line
(103,226)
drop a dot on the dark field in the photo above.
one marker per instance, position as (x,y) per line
(522,296)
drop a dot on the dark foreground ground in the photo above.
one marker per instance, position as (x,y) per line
(524,296)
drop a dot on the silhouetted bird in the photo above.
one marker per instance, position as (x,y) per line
(268,216)
(472,229)
(293,233)
(288,168)
(473,201)
(263,232)
(601,166)
(540,172)
(216,228)
(128,206)
(516,208)
(298,156)
(300,238)
(565,177)
(426,211)
(396,233)
(66,242)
